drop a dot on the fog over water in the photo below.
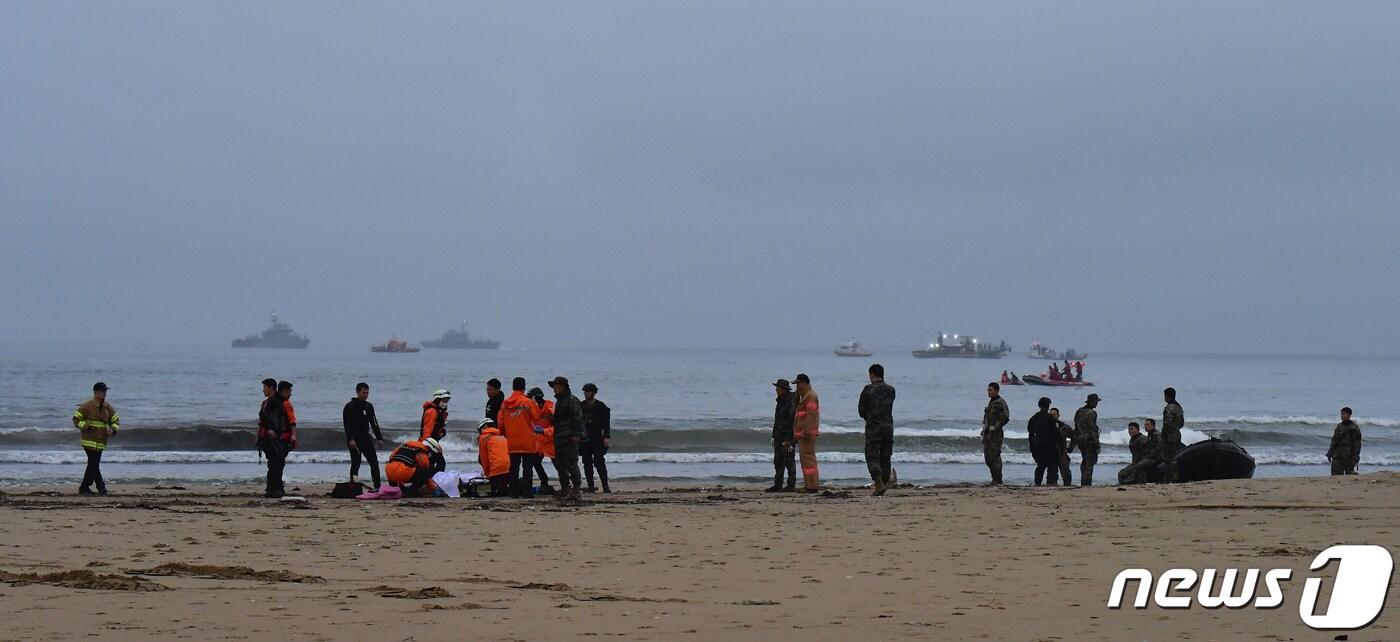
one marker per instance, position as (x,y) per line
(1176,177)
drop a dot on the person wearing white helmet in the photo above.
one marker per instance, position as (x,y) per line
(434,423)
(411,467)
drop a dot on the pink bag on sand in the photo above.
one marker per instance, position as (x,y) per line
(385,492)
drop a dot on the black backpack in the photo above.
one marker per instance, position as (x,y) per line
(347,490)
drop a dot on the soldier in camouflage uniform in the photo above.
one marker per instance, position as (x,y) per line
(568,433)
(876,407)
(1137,445)
(994,418)
(1086,430)
(1345,451)
(1066,447)
(1173,419)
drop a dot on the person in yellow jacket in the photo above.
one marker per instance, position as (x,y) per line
(96,420)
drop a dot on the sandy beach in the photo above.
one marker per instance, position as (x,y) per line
(1014,563)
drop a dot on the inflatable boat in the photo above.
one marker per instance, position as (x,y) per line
(1037,380)
(1214,459)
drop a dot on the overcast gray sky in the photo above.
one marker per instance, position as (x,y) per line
(1107,176)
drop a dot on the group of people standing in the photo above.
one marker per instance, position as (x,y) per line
(513,438)
(797,422)
(520,431)
(1052,440)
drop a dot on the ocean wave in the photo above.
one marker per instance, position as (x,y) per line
(1115,457)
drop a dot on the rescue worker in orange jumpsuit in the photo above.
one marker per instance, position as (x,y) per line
(434,423)
(494,456)
(412,466)
(543,425)
(805,429)
(518,417)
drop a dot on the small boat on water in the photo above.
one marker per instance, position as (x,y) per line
(1038,380)
(1039,351)
(852,348)
(394,345)
(1214,459)
(956,346)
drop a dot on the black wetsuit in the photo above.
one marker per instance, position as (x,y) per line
(359,420)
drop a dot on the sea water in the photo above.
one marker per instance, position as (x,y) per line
(679,416)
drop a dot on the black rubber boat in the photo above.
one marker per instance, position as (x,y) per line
(1214,459)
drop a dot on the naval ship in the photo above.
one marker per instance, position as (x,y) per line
(961,347)
(460,339)
(280,335)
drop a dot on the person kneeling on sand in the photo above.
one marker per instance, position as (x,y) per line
(412,466)
(494,457)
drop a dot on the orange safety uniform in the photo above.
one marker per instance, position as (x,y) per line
(544,439)
(805,429)
(517,420)
(494,452)
(408,461)
(434,422)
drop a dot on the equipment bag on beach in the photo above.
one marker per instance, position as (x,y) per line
(348,490)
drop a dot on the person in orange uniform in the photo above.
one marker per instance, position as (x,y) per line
(517,420)
(805,429)
(434,424)
(412,466)
(544,437)
(494,456)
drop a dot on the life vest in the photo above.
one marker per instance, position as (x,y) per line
(434,422)
(412,454)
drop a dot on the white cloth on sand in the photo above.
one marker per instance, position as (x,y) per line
(448,481)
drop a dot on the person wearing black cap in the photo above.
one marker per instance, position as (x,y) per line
(568,432)
(876,407)
(784,452)
(96,420)
(1086,426)
(597,437)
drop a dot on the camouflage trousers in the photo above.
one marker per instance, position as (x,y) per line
(1139,473)
(1088,457)
(1065,477)
(879,447)
(566,463)
(1171,443)
(991,452)
(1344,466)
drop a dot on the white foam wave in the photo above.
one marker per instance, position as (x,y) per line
(1113,457)
(1269,420)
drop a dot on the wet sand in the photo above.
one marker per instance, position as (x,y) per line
(701,563)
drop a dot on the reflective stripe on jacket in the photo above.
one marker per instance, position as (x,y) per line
(92,419)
